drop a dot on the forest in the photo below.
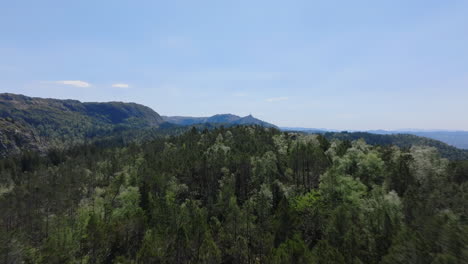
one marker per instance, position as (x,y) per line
(242,194)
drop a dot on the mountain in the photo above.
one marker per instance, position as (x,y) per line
(38,124)
(227,119)
(187,120)
(307,130)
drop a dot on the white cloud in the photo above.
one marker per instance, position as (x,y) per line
(80,84)
(120,85)
(276,99)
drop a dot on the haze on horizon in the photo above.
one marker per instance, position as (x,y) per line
(348,65)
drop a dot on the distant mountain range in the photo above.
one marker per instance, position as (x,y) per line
(227,119)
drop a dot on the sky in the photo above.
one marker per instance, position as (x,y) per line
(349,65)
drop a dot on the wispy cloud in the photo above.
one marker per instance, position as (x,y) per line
(80,84)
(121,85)
(276,99)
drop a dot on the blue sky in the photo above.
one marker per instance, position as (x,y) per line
(329,64)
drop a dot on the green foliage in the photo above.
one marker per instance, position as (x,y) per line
(233,195)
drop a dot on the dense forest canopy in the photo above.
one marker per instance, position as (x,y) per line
(244,194)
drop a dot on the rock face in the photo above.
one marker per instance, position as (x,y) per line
(38,124)
(15,137)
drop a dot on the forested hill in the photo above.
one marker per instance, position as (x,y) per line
(458,139)
(38,124)
(242,194)
(402,141)
(226,119)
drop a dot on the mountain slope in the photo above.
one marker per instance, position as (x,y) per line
(227,119)
(37,123)
(458,139)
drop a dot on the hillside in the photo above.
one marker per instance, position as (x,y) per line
(227,119)
(402,141)
(457,139)
(37,123)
